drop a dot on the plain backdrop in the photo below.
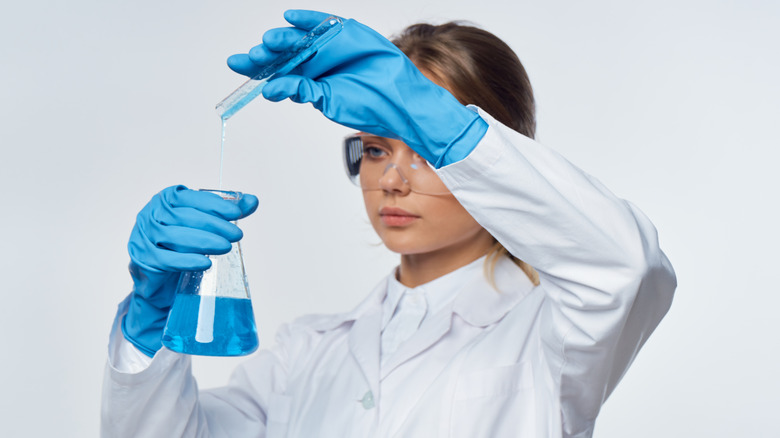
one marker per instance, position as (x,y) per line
(672,104)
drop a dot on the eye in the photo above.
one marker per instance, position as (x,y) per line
(373,151)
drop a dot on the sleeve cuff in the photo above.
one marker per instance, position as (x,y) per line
(488,151)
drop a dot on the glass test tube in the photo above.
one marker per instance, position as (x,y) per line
(298,53)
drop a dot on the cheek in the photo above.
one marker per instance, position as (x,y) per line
(371,201)
(449,216)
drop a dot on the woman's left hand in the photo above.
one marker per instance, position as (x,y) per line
(361,80)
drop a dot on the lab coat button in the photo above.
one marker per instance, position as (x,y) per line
(368,400)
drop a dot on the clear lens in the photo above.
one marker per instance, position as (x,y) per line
(372,162)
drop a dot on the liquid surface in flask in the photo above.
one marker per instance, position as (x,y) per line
(211,326)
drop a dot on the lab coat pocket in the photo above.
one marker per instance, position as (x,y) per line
(495,402)
(278,415)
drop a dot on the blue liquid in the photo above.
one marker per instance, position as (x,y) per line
(215,326)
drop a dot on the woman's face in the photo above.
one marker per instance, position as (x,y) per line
(411,223)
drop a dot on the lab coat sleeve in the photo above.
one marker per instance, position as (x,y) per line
(163,400)
(607,282)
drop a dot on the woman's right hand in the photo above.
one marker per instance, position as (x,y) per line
(174,233)
(361,80)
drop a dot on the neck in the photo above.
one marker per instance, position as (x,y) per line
(417,269)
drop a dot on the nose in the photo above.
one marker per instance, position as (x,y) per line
(393,180)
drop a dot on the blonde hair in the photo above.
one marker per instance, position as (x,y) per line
(494,254)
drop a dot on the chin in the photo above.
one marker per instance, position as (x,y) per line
(406,247)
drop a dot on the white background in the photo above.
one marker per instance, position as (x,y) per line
(672,104)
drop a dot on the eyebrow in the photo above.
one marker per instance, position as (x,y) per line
(373,137)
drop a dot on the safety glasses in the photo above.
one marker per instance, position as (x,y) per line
(372,163)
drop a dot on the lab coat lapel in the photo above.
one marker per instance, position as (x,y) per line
(364,338)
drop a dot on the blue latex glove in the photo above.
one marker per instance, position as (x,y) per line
(171,235)
(361,80)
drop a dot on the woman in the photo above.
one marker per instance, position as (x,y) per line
(573,284)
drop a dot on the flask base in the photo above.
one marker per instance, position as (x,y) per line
(211,326)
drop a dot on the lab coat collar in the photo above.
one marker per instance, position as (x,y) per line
(439,293)
(429,333)
(477,301)
(480,304)
(395,290)
(373,301)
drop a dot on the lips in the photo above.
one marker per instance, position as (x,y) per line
(396,217)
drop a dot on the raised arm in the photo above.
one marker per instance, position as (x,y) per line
(607,282)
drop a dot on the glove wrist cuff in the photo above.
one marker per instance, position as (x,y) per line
(146,340)
(143,325)
(465,142)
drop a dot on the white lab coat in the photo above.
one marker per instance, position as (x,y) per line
(522,361)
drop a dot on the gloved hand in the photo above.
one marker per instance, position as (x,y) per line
(172,234)
(361,80)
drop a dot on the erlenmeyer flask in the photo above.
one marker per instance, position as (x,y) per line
(212,312)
